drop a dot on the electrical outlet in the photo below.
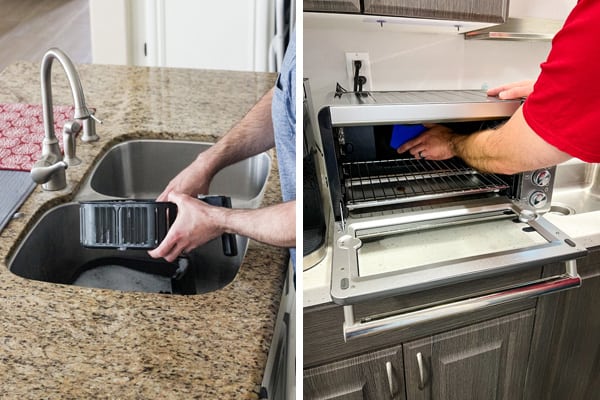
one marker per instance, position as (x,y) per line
(365,69)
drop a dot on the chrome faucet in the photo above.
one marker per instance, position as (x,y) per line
(50,169)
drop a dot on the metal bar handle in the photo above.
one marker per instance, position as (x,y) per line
(421,384)
(390,376)
(354,329)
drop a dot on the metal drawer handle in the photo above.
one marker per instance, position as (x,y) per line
(362,328)
(421,384)
(390,377)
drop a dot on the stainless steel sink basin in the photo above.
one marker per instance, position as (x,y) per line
(576,188)
(142,169)
(52,252)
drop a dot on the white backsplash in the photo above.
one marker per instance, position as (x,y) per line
(403,59)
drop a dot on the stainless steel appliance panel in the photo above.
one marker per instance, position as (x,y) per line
(384,203)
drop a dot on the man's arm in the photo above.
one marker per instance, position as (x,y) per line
(513,147)
(274,225)
(251,136)
(197,223)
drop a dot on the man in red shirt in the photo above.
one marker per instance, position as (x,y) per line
(558,120)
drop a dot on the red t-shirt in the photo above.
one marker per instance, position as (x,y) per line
(564,107)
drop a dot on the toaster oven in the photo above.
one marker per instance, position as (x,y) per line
(404,224)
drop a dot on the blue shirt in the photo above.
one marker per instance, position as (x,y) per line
(283,110)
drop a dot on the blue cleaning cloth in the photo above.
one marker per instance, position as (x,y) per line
(403,133)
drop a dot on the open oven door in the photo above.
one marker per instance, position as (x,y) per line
(375,258)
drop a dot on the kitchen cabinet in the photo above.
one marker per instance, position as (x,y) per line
(322,328)
(231,34)
(492,11)
(462,357)
(544,348)
(565,354)
(463,10)
(378,375)
(483,361)
(480,361)
(333,6)
(225,35)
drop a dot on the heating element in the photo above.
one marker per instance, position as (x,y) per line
(398,181)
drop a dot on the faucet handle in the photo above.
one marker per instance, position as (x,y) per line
(89,128)
(52,176)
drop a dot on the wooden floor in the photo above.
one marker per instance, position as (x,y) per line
(29,27)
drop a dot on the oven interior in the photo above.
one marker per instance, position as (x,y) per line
(374,178)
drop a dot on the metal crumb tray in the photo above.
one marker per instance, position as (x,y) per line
(125,224)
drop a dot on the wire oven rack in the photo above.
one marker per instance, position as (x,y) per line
(397,181)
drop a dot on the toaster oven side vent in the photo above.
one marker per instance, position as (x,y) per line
(387,182)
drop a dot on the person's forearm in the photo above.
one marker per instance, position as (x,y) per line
(514,147)
(251,136)
(479,151)
(274,225)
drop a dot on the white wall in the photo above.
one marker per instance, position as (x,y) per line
(402,59)
(552,9)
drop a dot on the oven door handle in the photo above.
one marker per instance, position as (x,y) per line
(366,327)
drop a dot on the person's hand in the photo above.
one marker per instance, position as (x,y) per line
(514,90)
(196,224)
(193,180)
(433,144)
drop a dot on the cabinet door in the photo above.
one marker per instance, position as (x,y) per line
(461,10)
(565,353)
(482,361)
(376,376)
(333,6)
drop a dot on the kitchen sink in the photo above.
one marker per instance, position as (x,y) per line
(140,169)
(52,253)
(576,188)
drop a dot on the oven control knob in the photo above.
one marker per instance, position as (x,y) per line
(538,199)
(541,177)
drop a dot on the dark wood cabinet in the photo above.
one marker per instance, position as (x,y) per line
(333,6)
(462,10)
(322,328)
(492,11)
(374,376)
(482,361)
(565,354)
(545,348)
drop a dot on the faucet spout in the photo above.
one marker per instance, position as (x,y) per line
(50,169)
(81,110)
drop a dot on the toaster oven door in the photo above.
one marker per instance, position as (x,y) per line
(377,257)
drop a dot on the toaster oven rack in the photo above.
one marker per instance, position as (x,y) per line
(397,181)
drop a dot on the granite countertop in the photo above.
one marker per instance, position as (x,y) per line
(72,342)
